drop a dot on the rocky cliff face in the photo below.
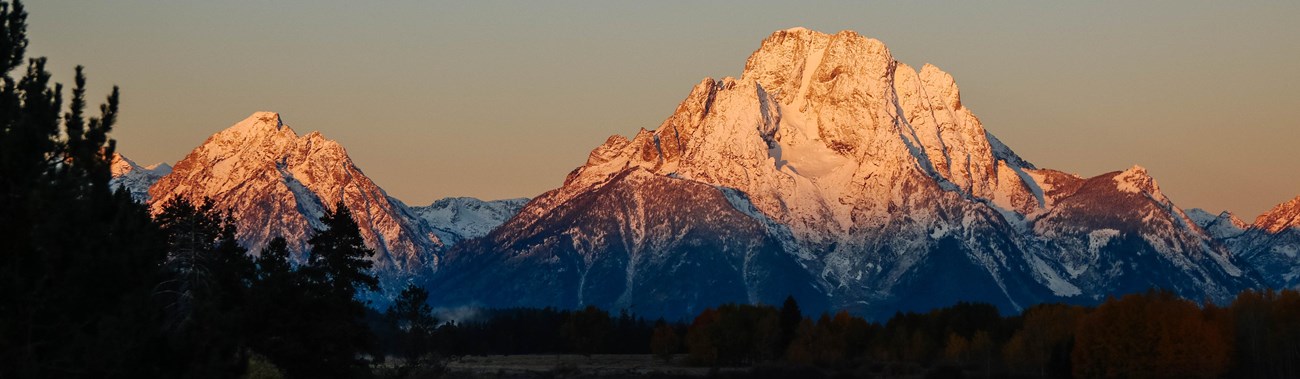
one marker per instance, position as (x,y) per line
(839,164)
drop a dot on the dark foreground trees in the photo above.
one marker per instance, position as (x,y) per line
(77,260)
(203,291)
(308,321)
(1150,336)
(415,325)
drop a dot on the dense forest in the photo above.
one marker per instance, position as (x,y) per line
(94,285)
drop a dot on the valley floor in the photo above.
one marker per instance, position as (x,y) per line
(571,365)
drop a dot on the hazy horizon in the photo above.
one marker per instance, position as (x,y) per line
(501,100)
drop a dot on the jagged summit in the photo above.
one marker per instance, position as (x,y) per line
(1136,179)
(1281,217)
(258,128)
(122,165)
(266,118)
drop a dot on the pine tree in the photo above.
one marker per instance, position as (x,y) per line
(414,321)
(790,317)
(277,325)
(338,259)
(335,337)
(208,275)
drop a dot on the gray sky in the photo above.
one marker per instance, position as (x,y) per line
(500,99)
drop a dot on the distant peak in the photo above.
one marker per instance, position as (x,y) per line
(122,165)
(160,167)
(1232,219)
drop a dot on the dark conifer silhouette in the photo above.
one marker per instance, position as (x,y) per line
(336,338)
(413,320)
(77,261)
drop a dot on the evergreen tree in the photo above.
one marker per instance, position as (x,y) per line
(273,296)
(338,260)
(205,292)
(334,338)
(278,325)
(414,321)
(790,317)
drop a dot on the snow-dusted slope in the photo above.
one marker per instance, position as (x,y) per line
(277,183)
(456,219)
(135,178)
(874,179)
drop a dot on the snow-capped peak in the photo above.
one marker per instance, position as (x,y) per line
(871,175)
(278,184)
(796,63)
(257,128)
(1281,217)
(1223,225)
(267,118)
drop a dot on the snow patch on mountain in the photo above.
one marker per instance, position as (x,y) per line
(1223,225)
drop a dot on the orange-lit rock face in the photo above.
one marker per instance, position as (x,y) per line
(1281,217)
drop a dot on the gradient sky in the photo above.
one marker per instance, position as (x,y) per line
(502,99)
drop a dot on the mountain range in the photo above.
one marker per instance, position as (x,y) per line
(828,171)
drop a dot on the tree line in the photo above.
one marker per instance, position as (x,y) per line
(1155,334)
